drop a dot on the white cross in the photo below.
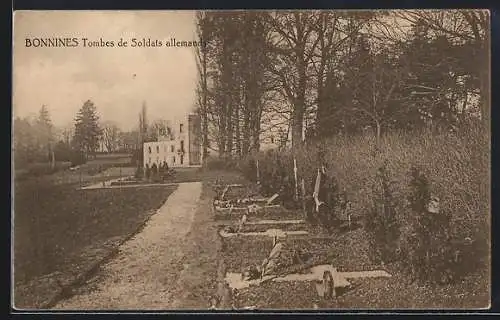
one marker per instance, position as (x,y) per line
(268,233)
(235,280)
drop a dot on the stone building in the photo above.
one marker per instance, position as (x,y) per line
(181,147)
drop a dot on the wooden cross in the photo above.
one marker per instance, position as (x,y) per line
(296,179)
(235,280)
(316,191)
(268,233)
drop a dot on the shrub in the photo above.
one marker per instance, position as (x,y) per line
(219,163)
(248,167)
(275,175)
(456,165)
(381,221)
(329,194)
(139,172)
(77,158)
(41,168)
(154,171)
(137,157)
(95,169)
(432,254)
(62,151)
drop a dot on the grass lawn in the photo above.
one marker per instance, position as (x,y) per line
(58,230)
(199,279)
(198,174)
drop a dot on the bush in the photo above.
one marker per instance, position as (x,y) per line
(248,167)
(431,255)
(42,168)
(381,221)
(95,169)
(137,157)
(154,171)
(139,172)
(63,152)
(219,163)
(457,166)
(77,158)
(275,174)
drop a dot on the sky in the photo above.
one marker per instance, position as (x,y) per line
(118,80)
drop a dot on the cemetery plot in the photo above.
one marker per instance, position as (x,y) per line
(162,177)
(265,213)
(267,233)
(331,256)
(255,227)
(322,275)
(301,264)
(239,195)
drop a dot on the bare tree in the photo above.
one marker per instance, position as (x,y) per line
(110,136)
(294,42)
(203,31)
(463,26)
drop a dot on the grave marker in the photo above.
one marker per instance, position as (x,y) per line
(316,273)
(268,233)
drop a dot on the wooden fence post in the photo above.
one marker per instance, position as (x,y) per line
(257,167)
(303,192)
(296,179)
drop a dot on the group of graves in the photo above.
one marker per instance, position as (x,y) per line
(261,240)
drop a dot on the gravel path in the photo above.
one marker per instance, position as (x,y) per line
(145,273)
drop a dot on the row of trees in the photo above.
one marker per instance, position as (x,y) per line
(33,138)
(314,74)
(37,140)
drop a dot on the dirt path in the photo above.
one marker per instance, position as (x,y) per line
(145,273)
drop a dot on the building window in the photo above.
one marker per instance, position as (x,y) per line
(182,145)
(157,149)
(171,148)
(149,149)
(149,160)
(173,159)
(182,159)
(181,126)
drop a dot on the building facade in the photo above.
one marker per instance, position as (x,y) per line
(181,148)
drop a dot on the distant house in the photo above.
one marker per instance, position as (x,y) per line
(180,148)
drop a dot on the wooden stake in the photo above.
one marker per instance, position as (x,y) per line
(303,192)
(296,179)
(316,190)
(257,167)
(329,285)
(52,159)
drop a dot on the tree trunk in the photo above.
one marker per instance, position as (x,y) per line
(485,89)
(204,115)
(322,113)
(246,127)
(237,132)
(230,127)
(299,101)
(378,133)
(255,127)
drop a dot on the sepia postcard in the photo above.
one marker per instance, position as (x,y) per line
(251,160)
